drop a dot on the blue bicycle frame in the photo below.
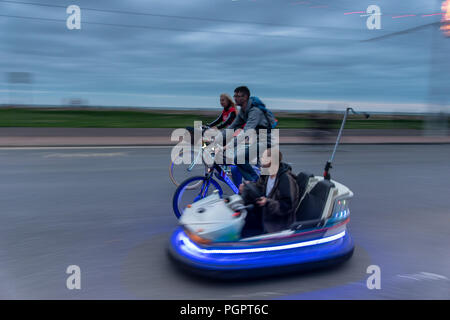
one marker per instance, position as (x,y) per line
(207,180)
(218,171)
(221,175)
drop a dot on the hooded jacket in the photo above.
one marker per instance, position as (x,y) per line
(279,212)
(252,116)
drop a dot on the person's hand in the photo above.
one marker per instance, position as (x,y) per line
(218,149)
(236,133)
(242,186)
(261,201)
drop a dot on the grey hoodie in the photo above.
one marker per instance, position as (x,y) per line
(252,117)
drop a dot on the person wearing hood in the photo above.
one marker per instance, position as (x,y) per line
(278,197)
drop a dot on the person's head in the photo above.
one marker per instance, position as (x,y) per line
(226,101)
(271,159)
(241,95)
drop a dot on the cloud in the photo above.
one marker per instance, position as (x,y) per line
(201,48)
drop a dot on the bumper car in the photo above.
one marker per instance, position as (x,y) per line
(208,241)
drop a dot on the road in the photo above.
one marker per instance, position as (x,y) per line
(108,211)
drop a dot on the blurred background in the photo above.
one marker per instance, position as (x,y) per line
(86,117)
(311,57)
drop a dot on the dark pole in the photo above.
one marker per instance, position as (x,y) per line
(326,173)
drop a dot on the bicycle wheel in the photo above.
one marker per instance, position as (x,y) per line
(182,171)
(184,196)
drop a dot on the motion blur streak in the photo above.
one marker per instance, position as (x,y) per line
(353,12)
(404,16)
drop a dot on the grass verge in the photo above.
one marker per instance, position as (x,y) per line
(72,118)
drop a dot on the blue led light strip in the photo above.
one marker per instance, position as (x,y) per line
(191,246)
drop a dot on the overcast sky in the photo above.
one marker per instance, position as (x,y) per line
(294,55)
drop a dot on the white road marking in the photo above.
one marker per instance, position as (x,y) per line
(423,276)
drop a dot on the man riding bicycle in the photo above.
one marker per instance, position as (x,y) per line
(251,116)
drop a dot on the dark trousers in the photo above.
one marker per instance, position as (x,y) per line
(253,223)
(246,169)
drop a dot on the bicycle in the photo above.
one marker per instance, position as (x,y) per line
(205,182)
(181,171)
(196,166)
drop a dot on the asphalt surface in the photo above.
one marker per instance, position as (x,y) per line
(80,137)
(108,211)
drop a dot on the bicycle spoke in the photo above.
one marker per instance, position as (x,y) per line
(182,171)
(184,196)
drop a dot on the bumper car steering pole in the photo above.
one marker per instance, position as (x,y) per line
(326,173)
